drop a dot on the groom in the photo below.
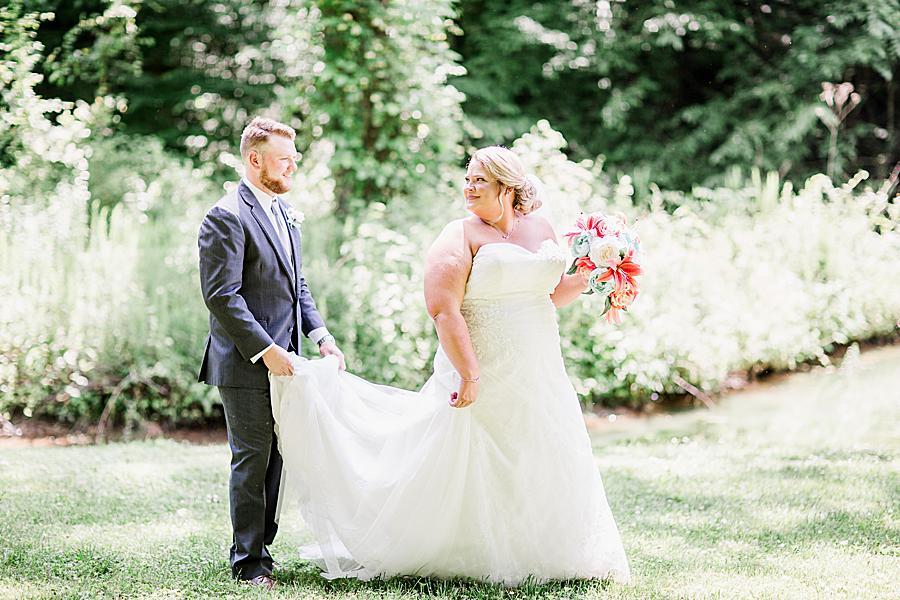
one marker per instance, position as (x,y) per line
(252,281)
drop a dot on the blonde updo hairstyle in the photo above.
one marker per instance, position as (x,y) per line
(505,167)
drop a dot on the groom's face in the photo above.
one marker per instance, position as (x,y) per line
(277,161)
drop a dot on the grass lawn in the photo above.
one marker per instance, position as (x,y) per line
(789,490)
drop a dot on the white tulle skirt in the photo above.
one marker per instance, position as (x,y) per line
(394,482)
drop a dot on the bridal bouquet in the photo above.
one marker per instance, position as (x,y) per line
(607,252)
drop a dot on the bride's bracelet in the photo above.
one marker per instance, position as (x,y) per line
(477,378)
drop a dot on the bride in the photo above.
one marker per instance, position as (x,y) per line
(487,471)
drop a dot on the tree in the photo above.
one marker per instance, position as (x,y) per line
(370,77)
(41,139)
(690,88)
(188,72)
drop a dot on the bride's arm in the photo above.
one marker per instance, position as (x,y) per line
(568,289)
(447,267)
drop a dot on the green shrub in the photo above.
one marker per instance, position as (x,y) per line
(762,284)
(97,265)
(107,321)
(747,277)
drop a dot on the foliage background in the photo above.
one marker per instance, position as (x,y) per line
(700,120)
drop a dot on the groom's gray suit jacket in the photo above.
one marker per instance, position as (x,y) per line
(255,293)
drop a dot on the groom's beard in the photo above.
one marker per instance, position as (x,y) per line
(278,186)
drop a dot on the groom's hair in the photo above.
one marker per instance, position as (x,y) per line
(258,130)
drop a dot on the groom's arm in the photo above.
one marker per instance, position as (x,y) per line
(312,324)
(221,243)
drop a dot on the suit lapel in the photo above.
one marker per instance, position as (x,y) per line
(268,229)
(294,236)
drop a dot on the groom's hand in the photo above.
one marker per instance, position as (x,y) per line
(329,348)
(278,361)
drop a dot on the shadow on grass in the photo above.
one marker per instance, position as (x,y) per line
(306,576)
(704,518)
(839,528)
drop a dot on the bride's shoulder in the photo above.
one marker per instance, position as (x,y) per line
(454,230)
(465,230)
(541,225)
(452,239)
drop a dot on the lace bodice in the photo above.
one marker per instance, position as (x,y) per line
(507,304)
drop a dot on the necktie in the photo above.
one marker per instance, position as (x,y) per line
(280,227)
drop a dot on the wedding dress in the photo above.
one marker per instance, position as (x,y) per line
(395,482)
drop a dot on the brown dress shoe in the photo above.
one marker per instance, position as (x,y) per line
(262,580)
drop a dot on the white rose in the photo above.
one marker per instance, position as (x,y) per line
(604,252)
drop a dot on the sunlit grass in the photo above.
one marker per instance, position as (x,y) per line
(788,491)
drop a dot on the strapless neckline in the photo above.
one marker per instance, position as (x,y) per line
(542,245)
(503,272)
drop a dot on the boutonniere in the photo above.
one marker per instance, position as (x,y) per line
(294,217)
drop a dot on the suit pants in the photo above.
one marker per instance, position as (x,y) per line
(255,479)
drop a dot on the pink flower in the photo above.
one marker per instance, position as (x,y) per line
(623,273)
(581,226)
(584,266)
(620,299)
(606,253)
(623,297)
(595,225)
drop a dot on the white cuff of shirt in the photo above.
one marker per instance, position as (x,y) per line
(259,356)
(317,334)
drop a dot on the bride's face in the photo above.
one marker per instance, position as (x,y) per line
(481,191)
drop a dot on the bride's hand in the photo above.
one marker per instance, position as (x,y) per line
(468,392)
